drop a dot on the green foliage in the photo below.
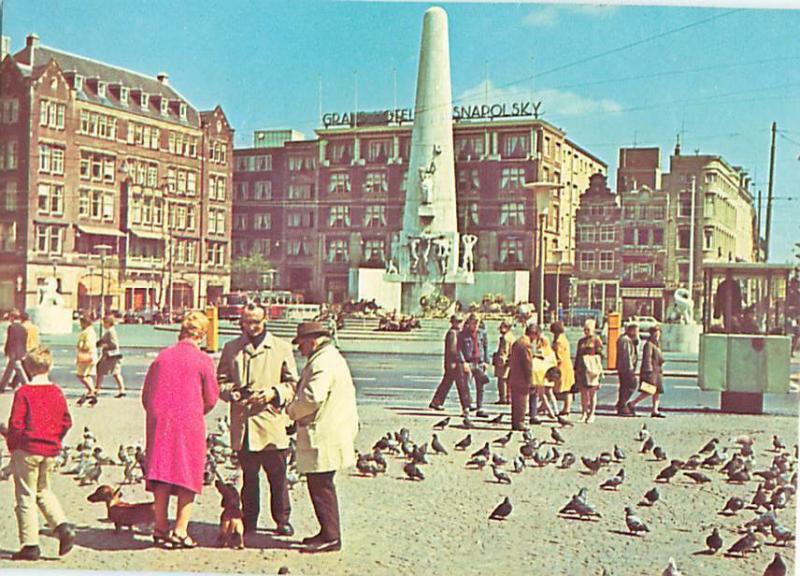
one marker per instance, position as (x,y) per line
(248,272)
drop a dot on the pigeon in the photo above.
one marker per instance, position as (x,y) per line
(647,445)
(122,455)
(498,460)
(693,463)
(761,499)
(92,475)
(555,454)
(519,464)
(634,523)
(781,534)
(579,507)
(644,433)
(556,436)
(497,419)
(131,478)
(710,446)
(744,545)
(650,497)
(418,455)
(478,462)
(698,477)
(779,498)
(500,476)
(567,460)
(615,481)
(593,464)
(712,461)
(485,452)
(777,445)
(658,453)
(466,422)
(503,440)
(734,463)
(502,510)
(437,446)
(732,506)
(139,456)
(377,457)
(413,472)
(563,421)
(366,466)
(540,460)
(619,455)
(743,440)
(527,450)
(442,424)
(605,458)
(761,523)
(714,541)
(464,443)
(768,474)
(777,567)
(746,450)
(739,476)
(671,569)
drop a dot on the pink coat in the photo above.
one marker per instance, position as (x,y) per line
(179,389)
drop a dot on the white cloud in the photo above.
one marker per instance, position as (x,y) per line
(550,15)
(554,102)
(546,17)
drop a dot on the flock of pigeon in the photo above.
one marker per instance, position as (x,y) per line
(734,464)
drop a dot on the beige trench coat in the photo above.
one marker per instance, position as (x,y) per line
(326,413)
(271,365)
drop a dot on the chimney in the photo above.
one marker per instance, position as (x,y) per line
(32,41)
(163,77)
(678,146)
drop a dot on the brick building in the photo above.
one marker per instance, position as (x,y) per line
(327,206)
(91,155)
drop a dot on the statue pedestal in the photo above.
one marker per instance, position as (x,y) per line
(681,338)
(52,319)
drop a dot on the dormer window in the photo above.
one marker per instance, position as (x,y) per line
(144,100)
(164,106)
(183,111)
(123,95)
(101,89)
(78,82)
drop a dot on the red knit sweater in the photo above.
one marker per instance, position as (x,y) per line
(39,418)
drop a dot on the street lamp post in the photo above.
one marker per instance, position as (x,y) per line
(103,249)
(559,260)
(90,269)
(541,193)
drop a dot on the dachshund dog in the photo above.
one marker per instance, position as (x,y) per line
(123,513)
(231,523)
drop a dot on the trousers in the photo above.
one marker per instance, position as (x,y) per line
(462,386)
(274,464)
(519,404)
(627,386)
(14,374)
(32,475)
(326,505)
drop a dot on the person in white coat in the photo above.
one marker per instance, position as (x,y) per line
(324,409)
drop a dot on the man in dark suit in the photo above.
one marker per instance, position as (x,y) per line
(520,374)
(15,350)
(452,370)
(627,358)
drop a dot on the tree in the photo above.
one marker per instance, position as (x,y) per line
(250,272)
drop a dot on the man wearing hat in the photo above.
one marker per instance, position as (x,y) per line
(324,409)
(500,361)
(520,374)
(452,370)
(257,375)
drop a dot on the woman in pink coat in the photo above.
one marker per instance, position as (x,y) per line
(179,389)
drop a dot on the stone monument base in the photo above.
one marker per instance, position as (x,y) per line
(52,320)
(681,338)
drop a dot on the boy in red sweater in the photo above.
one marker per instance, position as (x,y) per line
(39,421)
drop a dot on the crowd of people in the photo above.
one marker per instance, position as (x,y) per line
(394,322)
(534,372)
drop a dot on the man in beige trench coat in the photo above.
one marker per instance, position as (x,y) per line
(327,423)
(257,375)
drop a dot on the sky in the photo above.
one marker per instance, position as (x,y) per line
(610,76)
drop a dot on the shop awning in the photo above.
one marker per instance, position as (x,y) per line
(147,234)
(99,231)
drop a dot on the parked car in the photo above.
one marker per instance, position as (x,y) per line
(141,316)
(643,322)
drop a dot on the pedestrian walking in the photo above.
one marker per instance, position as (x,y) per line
(544,359)
(31,331)
(500,361)
(38,423)
(473,356)
(110,357)
(565,389)
(651,375)
(627,359)
(520,375)
(258,376)
(180,388)
(327,423)
(15,350)
(452,371)
(86,360)
(588,369)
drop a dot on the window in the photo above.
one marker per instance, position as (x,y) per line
(9,111)
(658,237)
(298,219)
(341,152)
(144,100)
(101,89)
(375,216)
(50,199)
(683,238)
(685,204)
(643,236)
(49,239)
(657,212)
(221,189)
(264,163)
(378,150)
(512,214)
(123,95)
(468,180)
(108,206)
(547,148)
(8,236)
(297,247)
(100,126)
(262,190)
(182,110)
(191,183)
(10,201)
(339,183)
(628,236)
(152,176)
(339,216)
(164,106)
(587,261)
(11,156)
(587,233)
(468,214)
(512,179)
(299,191)
(44,158)
(376,183)
(337,250)
(172,179)
(629,212)
(607,234)
(708,238)
(469,147)
(78,82)
(51,114)
(511,251)
(190,219)
(262,221)
(516,145)
(710,177)
(241,190)
(97,204)
(181,182)
(606,261)
(374,251)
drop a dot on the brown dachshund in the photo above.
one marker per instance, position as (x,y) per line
(231,523)
(123,513)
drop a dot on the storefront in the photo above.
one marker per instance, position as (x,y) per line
(643,301)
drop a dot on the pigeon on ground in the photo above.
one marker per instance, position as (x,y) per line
(577,506)
(413,472)
(777,567)
(500,476)
(712,461)
(92,475)
(615,481)
(503,440)
(746,450)
(593,464)
(366,466)
(478,462)
(467,423)
(659,454)
(527,450)
(760,499)
(519,464)
(563,421)
(777,445)
(497,419)
(698,477)
(486,452)
(693,463)
(710,446)
(502,510)
(378,458)
(498,460)
(556,436)
(132,478)
(647,445)
(122,455)
(744,545)
(761,523)
(643,433)
(619,455)
(732,506)
(605,458)
(739,475)
(782,534)
(634,523)
(464,443)
(437,446)
(567,460)
(671,569)
(650,497)
(442,424)
(714,541)
(780,497)
(768,474)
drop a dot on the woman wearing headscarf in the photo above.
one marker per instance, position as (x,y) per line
(588,361)
(565,387)
(651,378)
(179,390)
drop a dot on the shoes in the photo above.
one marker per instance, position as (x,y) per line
(481,414)
(92,400)
(534,421)
(323,546)
(162,539)
(27,553)
(181,542)
(590,419)
(473,407)
(82,400)
(520,428)
(658,415)
(624,412)
(120,395)
(313,540)
(436,407)
(65,533)
(285,529)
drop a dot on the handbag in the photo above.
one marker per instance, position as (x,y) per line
(594,369)
(85,357)
(114,354)
(647,388)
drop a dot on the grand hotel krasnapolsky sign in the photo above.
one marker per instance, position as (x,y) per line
(460,114)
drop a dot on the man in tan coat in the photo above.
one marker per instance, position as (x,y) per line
(327,423)
(257,375)
(520,374)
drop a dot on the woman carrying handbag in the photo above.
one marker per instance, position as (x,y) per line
(651,376)
(588,369)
